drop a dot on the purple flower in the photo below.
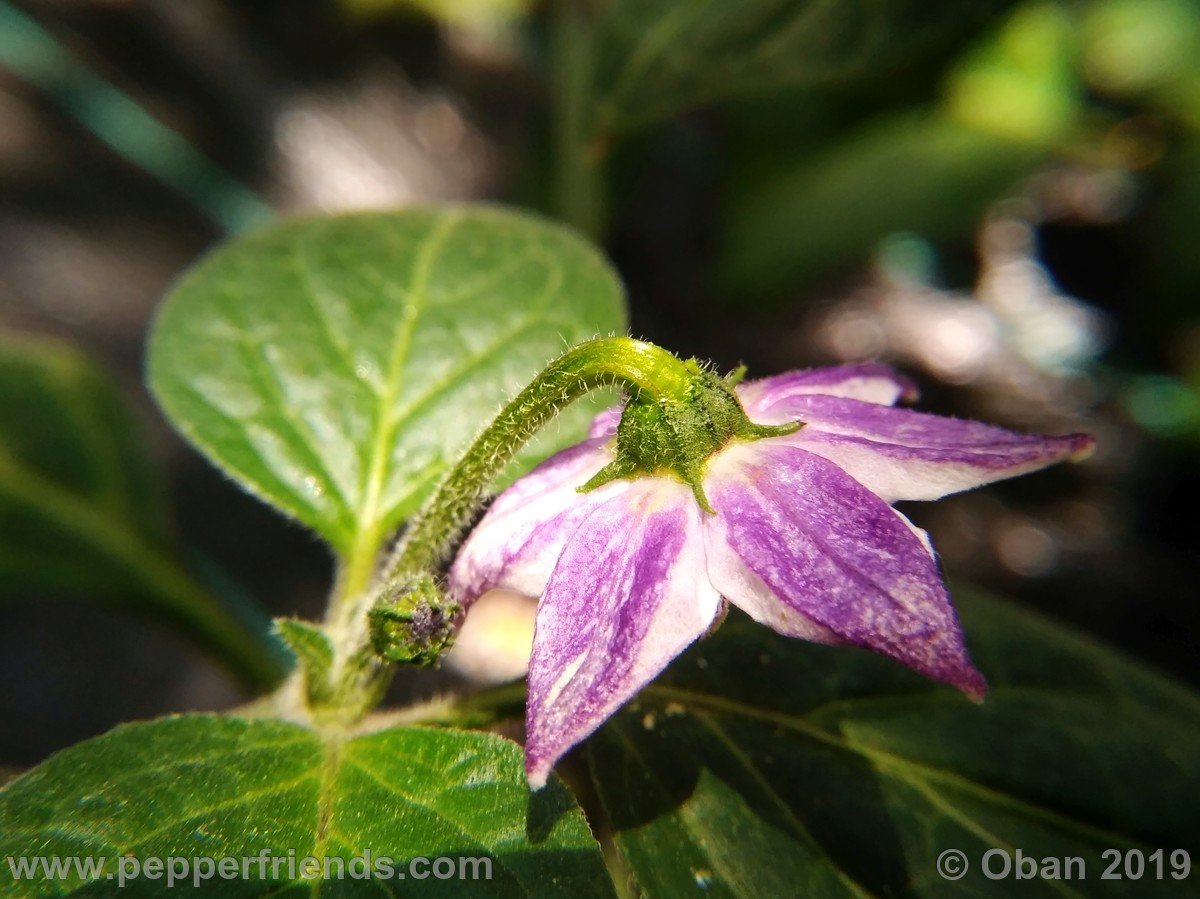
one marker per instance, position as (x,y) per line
(801,536)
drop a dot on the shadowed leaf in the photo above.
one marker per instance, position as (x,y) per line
(81,510)
(658,58)
(761,766)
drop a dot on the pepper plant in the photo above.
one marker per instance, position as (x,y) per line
(379,377)
(339,369)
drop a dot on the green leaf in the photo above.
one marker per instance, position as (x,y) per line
(336,366)
(81,510)
(1010,102)
(217,787)
(762,766)
(64,426)
(470,14)
(829,211)
(657,58)
(315,653)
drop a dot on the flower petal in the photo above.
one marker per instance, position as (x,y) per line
(904,455)
(767,400)
(737,583)
(605,424)
(628,595)
(839,555)
(517,542)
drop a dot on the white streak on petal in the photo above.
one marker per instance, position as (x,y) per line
(769,400)
(629,594)
(841,556)
(899,454)
(922,534)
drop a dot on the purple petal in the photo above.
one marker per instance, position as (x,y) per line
(737,583)
(516,543)
(868,381)
(628,595)
(767,400)
(904,455)
(605,424)
(840,556)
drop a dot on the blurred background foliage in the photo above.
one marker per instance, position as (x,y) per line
(1005,203)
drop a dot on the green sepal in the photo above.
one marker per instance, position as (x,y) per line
(736,376)
(333,694)
(758,432)
(677,436)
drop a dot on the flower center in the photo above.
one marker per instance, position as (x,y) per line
(676,436)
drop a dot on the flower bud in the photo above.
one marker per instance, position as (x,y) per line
(416,624)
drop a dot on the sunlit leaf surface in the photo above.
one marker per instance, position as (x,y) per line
(226,787)
(335,367)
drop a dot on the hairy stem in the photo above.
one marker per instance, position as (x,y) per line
(596,363)
(602,362)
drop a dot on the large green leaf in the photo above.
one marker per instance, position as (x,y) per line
(761,766)
(226,787)
(335,366)
(657,58)
(81,511)
(828,211)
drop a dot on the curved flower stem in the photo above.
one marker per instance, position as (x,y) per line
(602,362)
(597,363)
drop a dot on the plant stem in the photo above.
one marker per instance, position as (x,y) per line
(357,569)
(597,363)
(577,175)
(124,125)
(602,362)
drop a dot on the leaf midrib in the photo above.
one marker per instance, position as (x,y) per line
(331,762)
(370,514)
(336,756)
(113,486)
(932,796)
(778,801)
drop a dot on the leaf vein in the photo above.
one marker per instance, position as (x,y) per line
(900,764)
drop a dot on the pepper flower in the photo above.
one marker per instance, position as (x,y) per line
(773,495)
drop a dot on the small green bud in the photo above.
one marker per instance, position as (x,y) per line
(416,624)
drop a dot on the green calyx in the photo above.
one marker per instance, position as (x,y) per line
(676,435)
(677,417)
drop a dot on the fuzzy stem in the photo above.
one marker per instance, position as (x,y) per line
(602,362)
(597,363)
